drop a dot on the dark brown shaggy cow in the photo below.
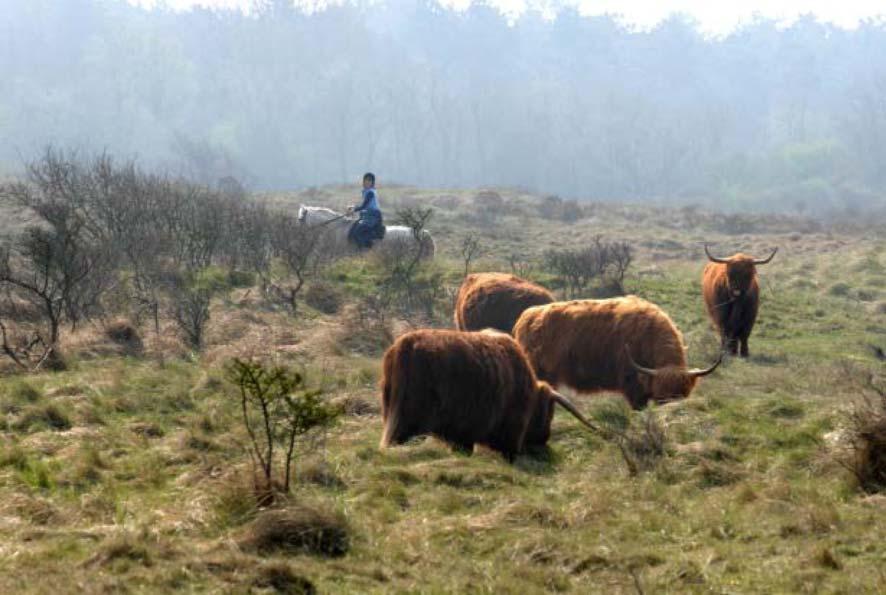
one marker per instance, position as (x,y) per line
(496,300)
(732,296)
(622,344)
(466,389)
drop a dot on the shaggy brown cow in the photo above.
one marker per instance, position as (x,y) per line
(595,345)
(466,389)
(732,296)
(496,300)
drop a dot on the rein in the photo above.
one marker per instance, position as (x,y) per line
(327,222)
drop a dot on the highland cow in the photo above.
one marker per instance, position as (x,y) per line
(466,388)
(622,344)
(732,297)
(496,300)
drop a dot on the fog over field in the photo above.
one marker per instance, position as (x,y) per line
(767,115)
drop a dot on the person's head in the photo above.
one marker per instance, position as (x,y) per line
(368,180)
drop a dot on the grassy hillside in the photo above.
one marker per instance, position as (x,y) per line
(128,473)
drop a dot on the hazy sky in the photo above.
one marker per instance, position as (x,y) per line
(715,16)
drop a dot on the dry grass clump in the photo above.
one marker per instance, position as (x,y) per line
(122,548)
(644,443)
(298,529)
(126,337)
(358,405)
(48,416)
(34,509)
(234,501)
(324,297)
(319,473)
(280,577)
(18,395)
(866,456)
(363,333)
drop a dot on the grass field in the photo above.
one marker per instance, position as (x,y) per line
(128,473)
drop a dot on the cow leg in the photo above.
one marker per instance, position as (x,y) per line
(732,345)
(744,347)
(509,437)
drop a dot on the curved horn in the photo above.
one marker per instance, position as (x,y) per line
(714,258)
(766,260)
(571,408)
(638,367)
(698,372)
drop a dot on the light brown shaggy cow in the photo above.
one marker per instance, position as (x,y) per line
(732,296)
(466,389)
(622,344)
(495,300)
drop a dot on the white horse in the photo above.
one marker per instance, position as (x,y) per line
(396,236)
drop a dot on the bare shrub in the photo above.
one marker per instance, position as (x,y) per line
(190,295)
(554,208)
(470,250)
(446,202)
(488,206)
(866,456)
(407,282)
(294,248)
(602,261)
(643,444)
(521,265)
(61,265)
(641,440)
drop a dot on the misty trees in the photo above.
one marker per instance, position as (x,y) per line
(578,106)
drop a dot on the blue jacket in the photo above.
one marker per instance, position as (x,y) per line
(370,201)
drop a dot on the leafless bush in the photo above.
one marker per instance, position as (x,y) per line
(59,266)
(866,457)
(552,207)
(189,297)
(470,249)
(406,280)
(295,253)
(607,262)
(488,207)
(643,445)
(521,265)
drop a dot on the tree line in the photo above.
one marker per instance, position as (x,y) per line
(790,119)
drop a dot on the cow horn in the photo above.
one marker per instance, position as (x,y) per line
(569,406)
(766,260)
(638,367)
(714,258)
(698,372)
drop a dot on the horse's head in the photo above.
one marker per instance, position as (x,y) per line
(302,214)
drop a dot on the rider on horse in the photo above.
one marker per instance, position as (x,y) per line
(370,225)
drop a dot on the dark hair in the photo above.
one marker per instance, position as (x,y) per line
(369,176)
